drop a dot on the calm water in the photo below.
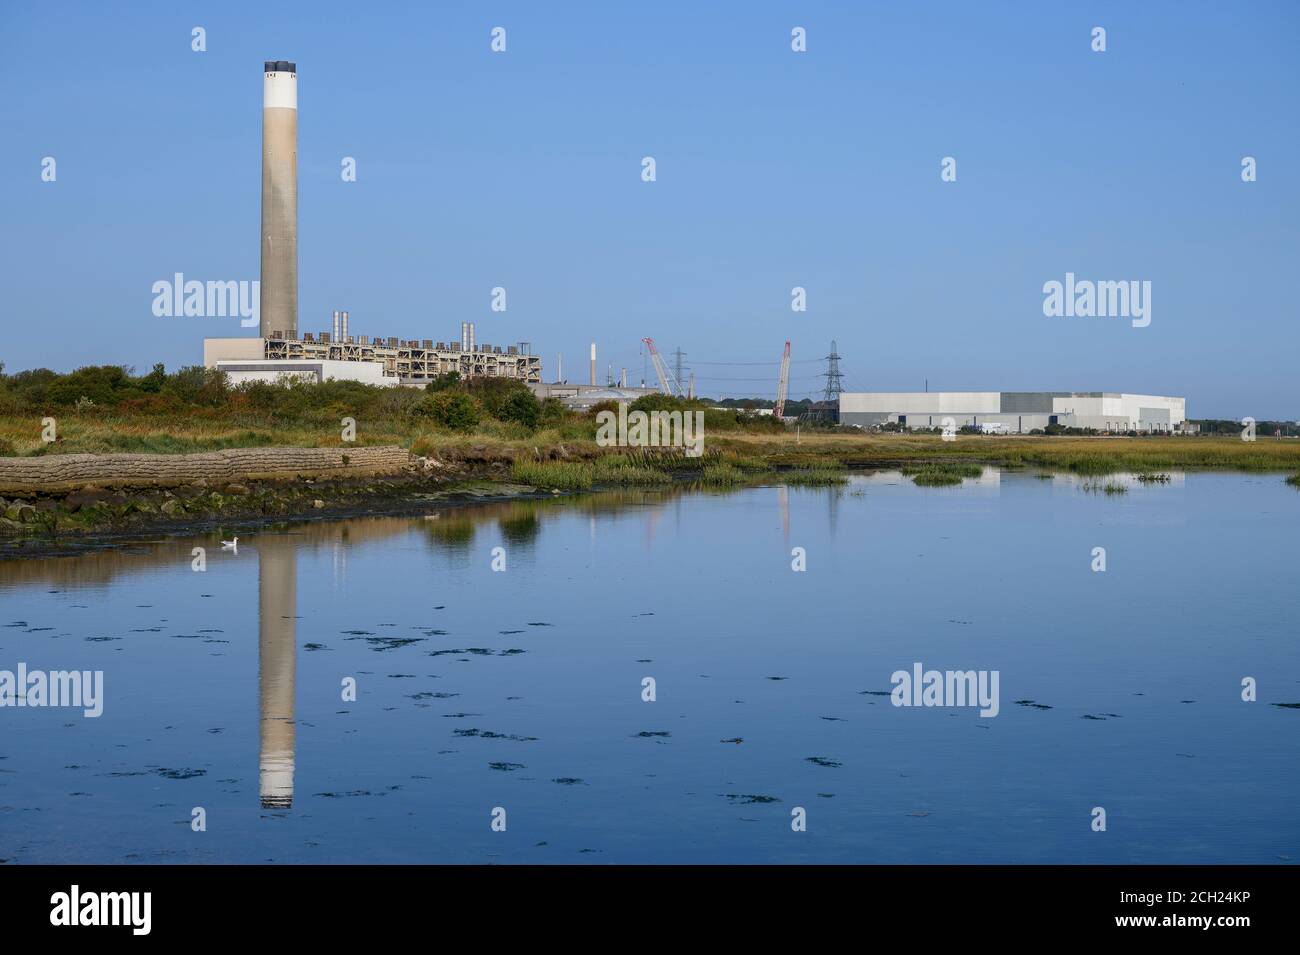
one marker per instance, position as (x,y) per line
(522,689)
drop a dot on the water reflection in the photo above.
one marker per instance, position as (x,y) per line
(277,630)
(520,689)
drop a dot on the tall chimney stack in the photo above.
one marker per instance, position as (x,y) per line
(279,291)
(336,326)
(345,327)
(593,363)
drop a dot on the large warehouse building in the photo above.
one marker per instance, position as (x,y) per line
(1016,412)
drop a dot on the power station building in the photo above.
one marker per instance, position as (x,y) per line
(1014,412)
(279,351)
(324,355)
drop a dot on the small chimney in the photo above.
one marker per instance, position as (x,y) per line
(593,363)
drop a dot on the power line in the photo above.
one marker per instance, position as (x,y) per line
(797,361)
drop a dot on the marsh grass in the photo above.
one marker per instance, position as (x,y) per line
(941,473)
(619,469)
(935,477)
(814,477)
(723,475)
(958,469)
(560,475)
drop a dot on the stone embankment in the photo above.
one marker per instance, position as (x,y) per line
(68,472)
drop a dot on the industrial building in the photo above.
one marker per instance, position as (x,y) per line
(582,397)
(1014,412)
(381,361)
(280,352)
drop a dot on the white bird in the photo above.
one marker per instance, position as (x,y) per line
(231,545)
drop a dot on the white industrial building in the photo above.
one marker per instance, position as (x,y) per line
(338,355)
(1014,412)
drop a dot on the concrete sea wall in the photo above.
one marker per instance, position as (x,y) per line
(67,472)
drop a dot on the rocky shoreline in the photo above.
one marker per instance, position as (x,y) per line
(53,523)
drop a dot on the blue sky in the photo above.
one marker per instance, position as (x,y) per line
(775,169)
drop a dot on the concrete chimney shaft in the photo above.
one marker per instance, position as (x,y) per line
(279,294)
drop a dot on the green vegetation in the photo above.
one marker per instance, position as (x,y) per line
(941,473)
(815,477)
(620,469)
(558,475)
(960,469)
(453,410)
(935,477)
(723,475)
(491,422)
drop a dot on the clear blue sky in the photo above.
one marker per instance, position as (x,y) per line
(775,169)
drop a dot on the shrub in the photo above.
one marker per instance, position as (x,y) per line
(521,407)
(554,412)
(450,409)
(495,393)
(100,384)
(441,383)
(197,385)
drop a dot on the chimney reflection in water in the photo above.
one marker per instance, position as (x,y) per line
(277,606)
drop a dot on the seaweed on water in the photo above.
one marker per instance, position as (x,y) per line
(380,644)
(179,773)
(489,734)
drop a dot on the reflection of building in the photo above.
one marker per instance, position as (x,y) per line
(1014,411)
(277,631)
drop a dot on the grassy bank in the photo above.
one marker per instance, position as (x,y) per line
(498,421)
(100,432)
